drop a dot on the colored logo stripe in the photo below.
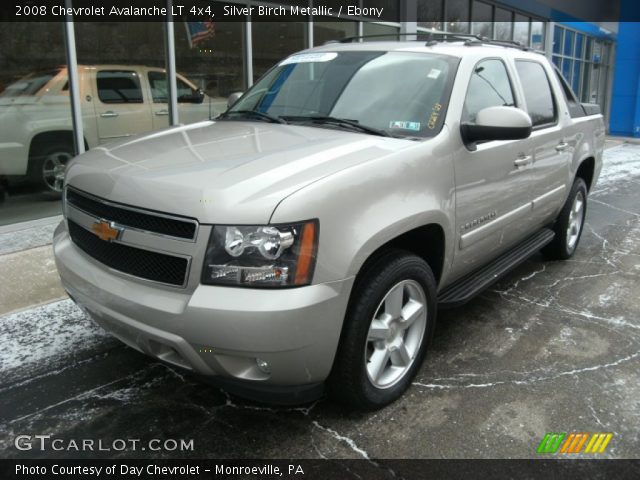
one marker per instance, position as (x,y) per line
(551,442)
(574,443)
(598,442)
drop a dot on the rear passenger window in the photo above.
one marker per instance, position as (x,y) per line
(537,92)
(489,87)
(119,86)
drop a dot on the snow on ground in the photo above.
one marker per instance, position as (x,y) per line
(36,339)
(619,165)
(28,238)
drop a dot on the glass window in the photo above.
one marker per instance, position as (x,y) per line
(36,138)
(503,24)
(586,75)
(489,86)
(568,43)
(482,24)
(273,41)
(430,14)
(588,51)
(160,90)
(457,16)
(567,66)
(537,35)
(575,78)
(119,86)
(557,39)
(376,29)
(521,29)
(579,43)
(359,86)
(537,92)
(324,32)
(212,62)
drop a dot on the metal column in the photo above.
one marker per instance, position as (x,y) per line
(74,83)
(170,52)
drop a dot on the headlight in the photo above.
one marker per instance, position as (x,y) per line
(261,256)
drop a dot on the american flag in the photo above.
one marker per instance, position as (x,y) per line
(198,32)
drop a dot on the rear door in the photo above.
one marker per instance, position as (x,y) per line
(493,198)
(121,108)
(553,142)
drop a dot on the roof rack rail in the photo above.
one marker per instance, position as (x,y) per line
(435,36)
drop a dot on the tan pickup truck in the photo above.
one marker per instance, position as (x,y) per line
(117,101)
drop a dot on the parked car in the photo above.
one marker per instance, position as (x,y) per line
(117,101)
(307,236)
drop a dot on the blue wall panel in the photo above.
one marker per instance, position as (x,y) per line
(625,103)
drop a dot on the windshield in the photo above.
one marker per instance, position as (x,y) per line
(396,93)
(30,84)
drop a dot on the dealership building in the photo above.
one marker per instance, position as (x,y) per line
(594,49)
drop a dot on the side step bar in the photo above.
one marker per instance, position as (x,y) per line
(469,286)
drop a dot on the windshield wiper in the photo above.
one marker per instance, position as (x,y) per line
(340,122)
(253,113)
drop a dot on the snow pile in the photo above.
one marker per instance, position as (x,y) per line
(34,339)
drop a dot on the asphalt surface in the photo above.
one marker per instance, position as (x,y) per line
(554,347)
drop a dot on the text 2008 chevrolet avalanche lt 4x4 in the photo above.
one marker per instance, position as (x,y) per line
(307,236)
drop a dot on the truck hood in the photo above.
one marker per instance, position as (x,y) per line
(222,172)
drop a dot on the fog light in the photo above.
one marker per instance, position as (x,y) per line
(263,365)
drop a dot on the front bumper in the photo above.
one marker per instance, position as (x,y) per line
(214,331)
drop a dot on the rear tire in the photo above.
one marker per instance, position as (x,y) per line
(569,224)
(47,167)
(388,326)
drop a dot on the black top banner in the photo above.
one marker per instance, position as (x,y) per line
(193,10)
(283,11)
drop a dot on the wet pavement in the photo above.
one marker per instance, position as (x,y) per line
(554,347)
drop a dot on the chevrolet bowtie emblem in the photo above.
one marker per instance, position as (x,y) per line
(106,231)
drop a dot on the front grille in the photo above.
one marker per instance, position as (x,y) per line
(127,216)
(154,266)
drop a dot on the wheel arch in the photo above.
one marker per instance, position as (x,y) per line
(586,171)
(41,139)
(427,241)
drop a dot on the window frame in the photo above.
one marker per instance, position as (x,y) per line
(554,100)
(516,99)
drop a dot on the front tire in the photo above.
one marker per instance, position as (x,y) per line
(569,224)
(388,326)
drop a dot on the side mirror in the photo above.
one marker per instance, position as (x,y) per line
(197,96)
(497,123)
(233,98)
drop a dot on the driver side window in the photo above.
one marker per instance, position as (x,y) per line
(489,87)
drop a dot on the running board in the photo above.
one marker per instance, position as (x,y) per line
(469,286)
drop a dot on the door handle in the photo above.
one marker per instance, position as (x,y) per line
(162,112)
(109,114)
(522,161)
(562,146)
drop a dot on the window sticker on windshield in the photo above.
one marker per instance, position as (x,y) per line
(415,126)
(434,73)
(435,113)
(309,57)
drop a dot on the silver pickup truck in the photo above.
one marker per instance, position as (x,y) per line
(306,237)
